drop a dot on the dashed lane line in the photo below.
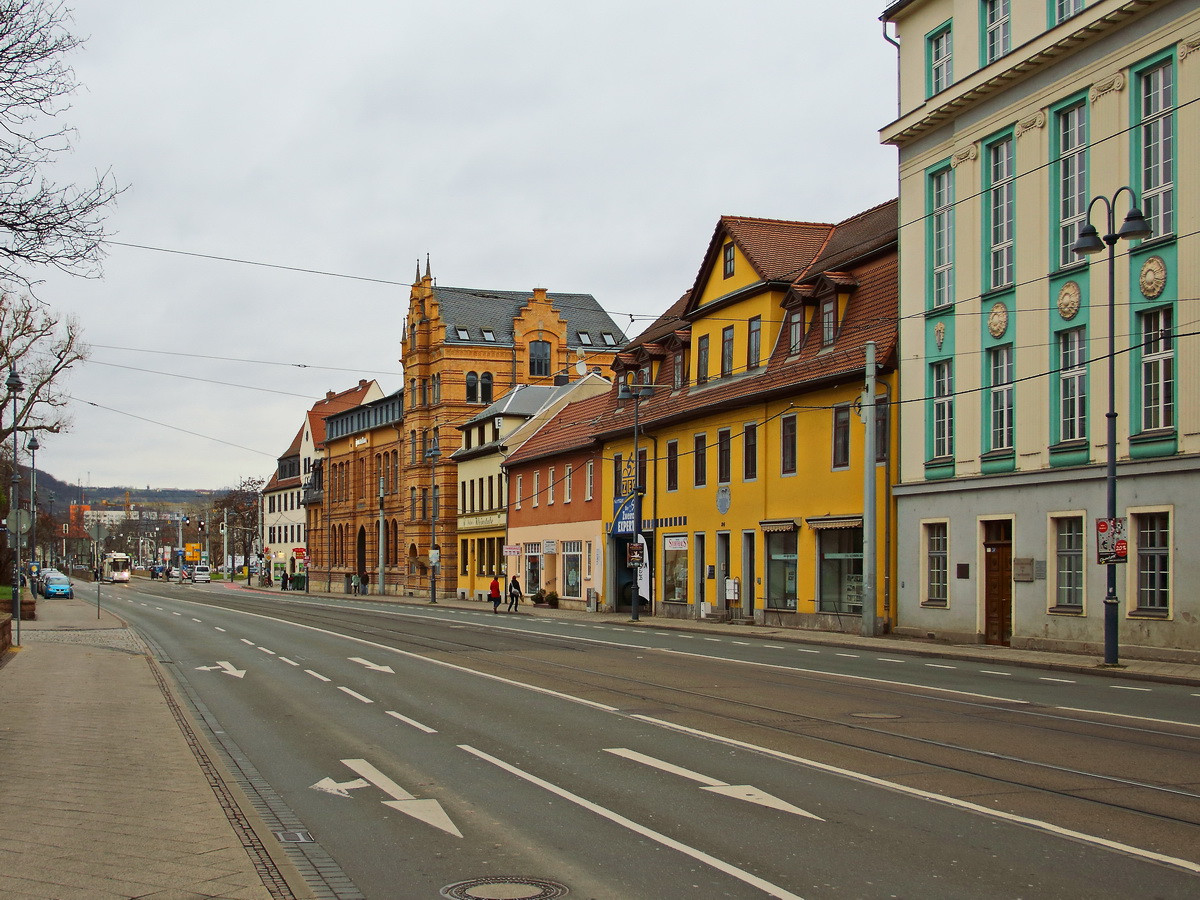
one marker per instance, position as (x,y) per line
(1057,680)
(355,694)
(413,722)
(939,666)
(288,661)
(317,675)
(1122,687)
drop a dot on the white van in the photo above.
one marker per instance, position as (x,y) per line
(200,573)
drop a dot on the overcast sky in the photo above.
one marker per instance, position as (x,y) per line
(583,147)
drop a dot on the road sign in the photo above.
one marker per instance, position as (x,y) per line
(1111,546)
(20,520)
(97,532)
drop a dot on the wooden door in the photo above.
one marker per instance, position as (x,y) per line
(997,583)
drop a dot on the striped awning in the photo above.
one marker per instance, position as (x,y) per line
(769,525)
(818,522)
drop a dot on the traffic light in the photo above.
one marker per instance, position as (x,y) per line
(201,524)
(222,528)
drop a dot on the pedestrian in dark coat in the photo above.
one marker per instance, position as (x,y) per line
(284,580)
(514,594)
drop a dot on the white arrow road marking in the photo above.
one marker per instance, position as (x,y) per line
(737,791)
(340,788)
(227,668)
(771,890)
(428,811)
(372,666)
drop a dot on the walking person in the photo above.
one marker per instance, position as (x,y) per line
(364,581)
(284,580)
(355,584)
(514,594)
(494,594)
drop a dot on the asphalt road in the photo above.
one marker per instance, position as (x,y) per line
(428,747)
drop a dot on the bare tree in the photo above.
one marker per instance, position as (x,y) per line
(42,223)
(41,349)
(242,523)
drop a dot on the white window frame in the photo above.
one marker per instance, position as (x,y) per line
(517,499)
(1156,134)
(590,479)
(1070,563)
(1158,370)
(537,488)
(997,26)
(1071,123)
(567,484)
(1065,9)
(942,249)
(943,409)
(1141,564)
(941,61)
(927,569)
(550,486)
(1002,191)
(1001,397)
(1072,385)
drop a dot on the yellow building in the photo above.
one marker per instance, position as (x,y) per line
(749,446)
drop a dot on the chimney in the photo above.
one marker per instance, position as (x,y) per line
(560,379)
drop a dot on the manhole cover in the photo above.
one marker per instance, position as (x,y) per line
(503,887)
(875,715)
(294,837)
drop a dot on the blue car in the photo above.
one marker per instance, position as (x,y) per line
(58,586)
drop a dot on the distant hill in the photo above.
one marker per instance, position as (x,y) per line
(65,494)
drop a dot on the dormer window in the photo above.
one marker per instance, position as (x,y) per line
(828,320)
(728,259)
(489,335)
(463,334)
(585,338)
(609,340)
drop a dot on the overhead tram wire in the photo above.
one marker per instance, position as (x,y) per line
(207,437)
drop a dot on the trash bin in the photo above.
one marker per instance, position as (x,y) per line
(297,583)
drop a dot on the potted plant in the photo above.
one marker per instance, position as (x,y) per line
(552,599)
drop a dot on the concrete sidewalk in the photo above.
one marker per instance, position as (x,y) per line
(107,792)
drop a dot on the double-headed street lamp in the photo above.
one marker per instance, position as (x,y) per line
(1134,228)
(637,393)
(33,447)
(15,386)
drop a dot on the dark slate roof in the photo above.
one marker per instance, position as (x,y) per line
(523,400)
(475,310)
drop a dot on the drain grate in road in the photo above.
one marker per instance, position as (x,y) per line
(500,887)
(294,837)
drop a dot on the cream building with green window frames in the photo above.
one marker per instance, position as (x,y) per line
(1013,116)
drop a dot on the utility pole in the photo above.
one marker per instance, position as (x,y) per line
(226,562)
(868,519)
(382,542)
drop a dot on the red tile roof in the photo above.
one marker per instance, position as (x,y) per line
(572,428)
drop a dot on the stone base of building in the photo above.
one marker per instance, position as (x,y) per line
(1050,645)
(843,623)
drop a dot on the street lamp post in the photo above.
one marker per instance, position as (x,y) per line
(435,552)
(637,393)
(15,386)
(33,447)
(1133,228)
(382,544)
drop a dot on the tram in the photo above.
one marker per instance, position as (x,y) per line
(117,567)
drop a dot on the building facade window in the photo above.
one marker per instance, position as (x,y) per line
(1064,9)
(571,576)
(702,359)
(675,568)
(795,331)
(567,479)
(1158,370)
(753,342)
(1068,556)
(700,460)
(485,387)
(750,452)
(939,59)
(997,29)
(839,573)
(787,445)
(533,567)
(828,321)
(537,488)
(941,249)
(943,409)
(472,387)
(539,358)
(550,486)
(1001,208)
(1156,145)
(1153,536)
(677,378)
(781,570)
(727,351)
(1000,396)
(520,484)
(937,564)
(672,465)
(589,479)
(1070,167)
(727,259)
(724,456)
(841,437)
(1072,386)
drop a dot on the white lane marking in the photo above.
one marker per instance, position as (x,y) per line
(741,643)
(774,647)
(374,667)
(713,639)
(218,628)
(940,666)
(316,675)
(738,791)
(244,641)
(176,614)
(849,655)
(428,811)
(339,788)
(992,672)
(772,890)
(1101,712)
(806,650)
(955,802)
(690,637)
(226,667)
(288,661)
(268,652)
(355,694)
(413,722)
(1122,687)
(1058,680)
(889,659)
(198,620)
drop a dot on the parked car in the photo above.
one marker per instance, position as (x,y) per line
(58,586)
(201,573)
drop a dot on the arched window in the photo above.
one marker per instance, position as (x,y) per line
(539,358)
(437,388)
(395,471)
(472,387)
(412,503)
(412,443)
(485,387)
